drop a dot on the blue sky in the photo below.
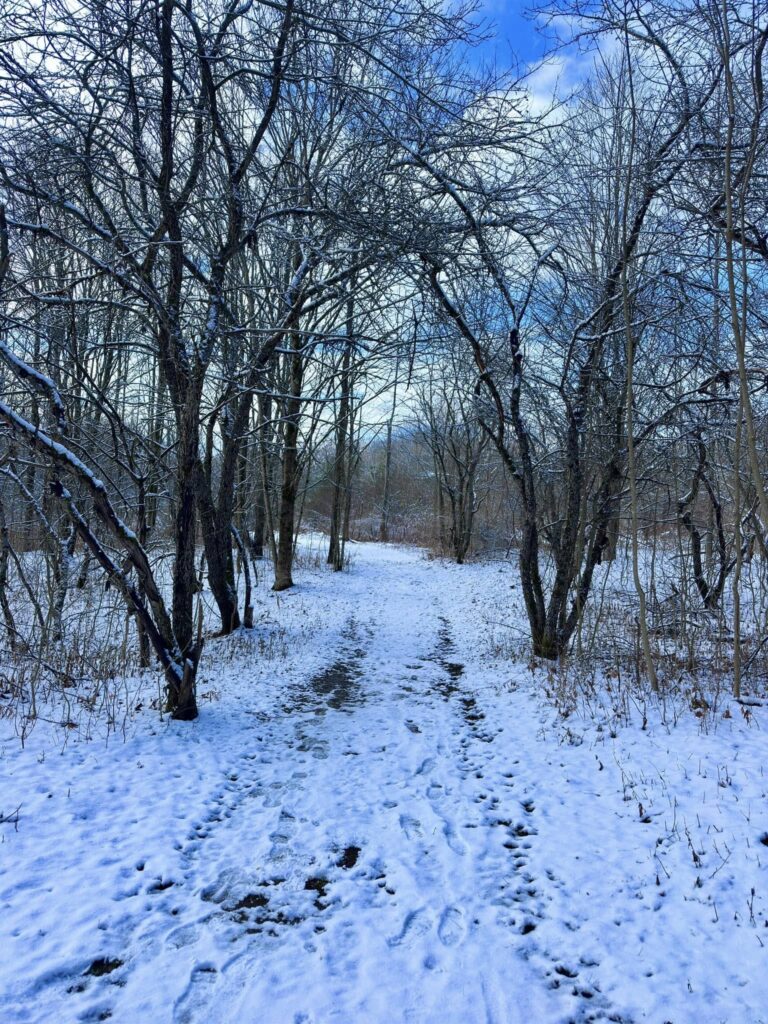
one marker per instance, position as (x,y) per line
(515,33)
(518,42)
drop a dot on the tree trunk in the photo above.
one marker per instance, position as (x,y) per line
(5,549)
(187,484)
(290,474)
(341,468)
(386,497)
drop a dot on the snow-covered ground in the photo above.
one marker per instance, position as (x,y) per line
(376,819)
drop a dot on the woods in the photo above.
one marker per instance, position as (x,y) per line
(266,266)
(383,511)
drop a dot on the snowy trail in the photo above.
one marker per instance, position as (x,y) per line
(376,826)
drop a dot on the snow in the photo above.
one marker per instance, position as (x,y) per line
(40,381)
(379,819)
(56,449)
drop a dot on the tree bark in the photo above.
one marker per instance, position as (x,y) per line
(290,468)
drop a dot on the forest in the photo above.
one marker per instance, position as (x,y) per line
(357,377)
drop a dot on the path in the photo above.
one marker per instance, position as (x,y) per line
(370,832)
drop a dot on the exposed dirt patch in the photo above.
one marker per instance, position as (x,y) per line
(338,686)
(253,899)
(454,669)
(348,859)
(102,966)
(318,884)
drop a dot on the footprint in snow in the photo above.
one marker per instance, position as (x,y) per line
(450,930)
(193,1004)
(452,838)
(411,826)
(184,936)
(416,923)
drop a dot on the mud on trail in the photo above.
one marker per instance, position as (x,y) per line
(340,685)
